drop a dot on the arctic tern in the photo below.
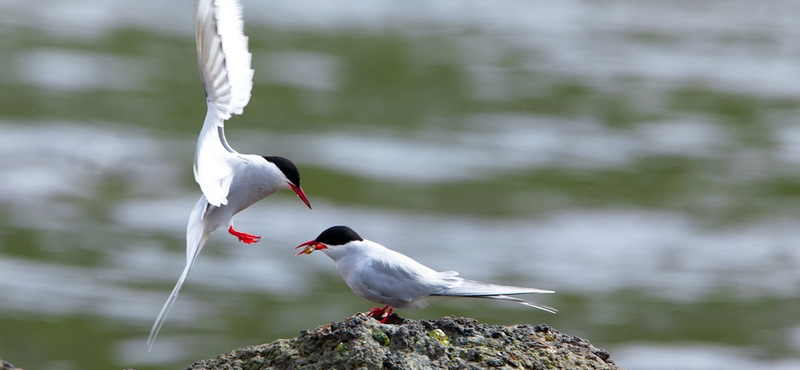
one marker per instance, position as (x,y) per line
(230,181)
(384,276)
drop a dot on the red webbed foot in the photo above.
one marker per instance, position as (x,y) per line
(244,237)
(388,315)
(377,312)
(381,314)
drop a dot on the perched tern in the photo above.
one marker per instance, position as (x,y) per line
(384,276)
(230,181)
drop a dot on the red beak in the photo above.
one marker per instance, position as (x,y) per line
(310,246)
(300,193)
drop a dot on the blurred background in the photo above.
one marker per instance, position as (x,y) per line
(641,158)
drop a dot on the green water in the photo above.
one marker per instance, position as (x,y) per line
(662,207)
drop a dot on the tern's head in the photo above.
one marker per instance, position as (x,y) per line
(333,237)
(291,174)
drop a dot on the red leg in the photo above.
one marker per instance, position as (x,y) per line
(388,314)
(244,237)
(378,313)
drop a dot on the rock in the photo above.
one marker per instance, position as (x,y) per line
(361,342)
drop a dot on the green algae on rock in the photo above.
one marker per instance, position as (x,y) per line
(447,343)
(439,335)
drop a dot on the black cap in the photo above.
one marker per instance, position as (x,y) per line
(338,235)
(287,167)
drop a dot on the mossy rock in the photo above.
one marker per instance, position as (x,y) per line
(361,342)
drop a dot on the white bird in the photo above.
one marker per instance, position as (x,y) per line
(230,181)
(384,276)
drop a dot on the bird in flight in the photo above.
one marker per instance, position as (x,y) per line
(230,181)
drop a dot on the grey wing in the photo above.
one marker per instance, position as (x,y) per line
(387,281)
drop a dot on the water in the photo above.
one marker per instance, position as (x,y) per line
(640,158)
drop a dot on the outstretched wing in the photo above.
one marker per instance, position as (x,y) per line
(222,56)
(224,63)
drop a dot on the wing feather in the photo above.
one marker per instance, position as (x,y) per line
(401,279)
(222,55)
(227,78)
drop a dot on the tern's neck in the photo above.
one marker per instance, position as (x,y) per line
(352,249)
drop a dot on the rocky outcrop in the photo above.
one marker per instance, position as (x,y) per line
(360,342)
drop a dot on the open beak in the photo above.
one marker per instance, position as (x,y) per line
(310,246)
(300,193)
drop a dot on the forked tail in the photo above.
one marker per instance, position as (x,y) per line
(478,289)
(162,316)
(522,302)
(196,237)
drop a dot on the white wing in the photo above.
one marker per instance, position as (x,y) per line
(224,63)
(195,239)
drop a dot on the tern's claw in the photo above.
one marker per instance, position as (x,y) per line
(244,237)
(380,313)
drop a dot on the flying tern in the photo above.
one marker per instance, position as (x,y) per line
(384,276)
(230,181)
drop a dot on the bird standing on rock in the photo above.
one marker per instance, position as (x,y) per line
(230,181)
(384,276)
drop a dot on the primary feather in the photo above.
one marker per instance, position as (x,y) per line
(222,56)
(227,78)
